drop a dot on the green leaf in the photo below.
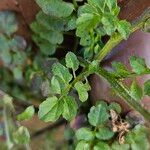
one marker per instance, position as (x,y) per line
(138,65)
(49,22)
(112,4)
(45,47)
(115,106)
(19,58)
(94,65)
(124,28)
(82,90)
(58,85)
(117,146)
(72,61)
(98,4)
(84,134)
(69,108)
(85,23)
(50,109)
(57,8)
(98,115)
(102,146)
(147,87)
(104,133)
(138,139)
(120,68)
(8,23)
(54,37)
(27,114)
(6,57)
(136,91)
(83,145)
(4,43)
(109,23)
(86,9)
(71,23)
(21,136)
(62,72)
(55,85)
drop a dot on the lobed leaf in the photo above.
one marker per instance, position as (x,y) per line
(84,134)
(104,133)
(138,65)
(62,72)
(72,61)
(82,90)
(124,28)
(83,145)
(120,68)
(98,115)
(69,108)
(101,145)
(115,106)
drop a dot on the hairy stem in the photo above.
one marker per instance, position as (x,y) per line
(123,93)
(120,89)
(114,41)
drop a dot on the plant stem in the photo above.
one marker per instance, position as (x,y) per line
(75,4)
(120,89)
(8,140)
(81,76)
(74,74)
(114,41)
(123,93)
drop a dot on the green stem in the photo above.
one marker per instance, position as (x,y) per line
(131,75)
(85,73)
(75,4)
(120,89)
(123,93)
(8,140)
(74,74)
(114,41)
